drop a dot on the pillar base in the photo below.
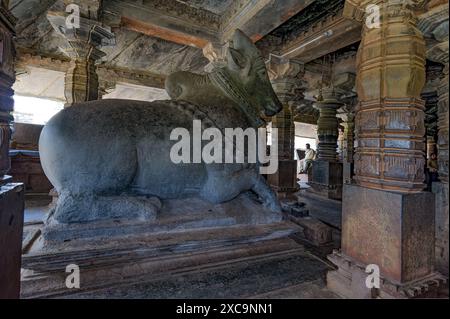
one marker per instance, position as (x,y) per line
(441,253)
(284,181)
(326,179)
(392,230)
(349,281)
(11,227)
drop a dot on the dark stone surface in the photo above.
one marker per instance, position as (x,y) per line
(105,157)
(240,280)
(285,179)
(441,192)
(393,230)
(11,225)
(327,179)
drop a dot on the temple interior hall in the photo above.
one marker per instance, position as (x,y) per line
(101,197)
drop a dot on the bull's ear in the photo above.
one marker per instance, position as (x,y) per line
(236,60)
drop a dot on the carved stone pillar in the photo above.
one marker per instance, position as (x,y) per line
(326,177)
(82,45)
(11,194)
(387,220)
(434,25)
(288,87)
(347,117)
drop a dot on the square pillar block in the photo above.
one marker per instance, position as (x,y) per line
(326,179)
(11,228)
(392,230)
(285,179)
(441,196)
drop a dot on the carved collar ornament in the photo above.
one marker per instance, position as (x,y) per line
(223,80)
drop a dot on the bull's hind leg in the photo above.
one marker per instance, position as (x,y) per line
(267,195)
(87,207)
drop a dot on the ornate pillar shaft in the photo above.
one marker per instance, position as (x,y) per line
(288,87)
(326,172)
(390,116)
(327,126)
(284,120)
(347,158)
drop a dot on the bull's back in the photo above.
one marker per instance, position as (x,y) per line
(112,145)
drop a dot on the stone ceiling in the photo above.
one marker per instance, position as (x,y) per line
(215,6)
(276,26)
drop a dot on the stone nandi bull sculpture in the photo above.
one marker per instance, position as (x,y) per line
(110,158)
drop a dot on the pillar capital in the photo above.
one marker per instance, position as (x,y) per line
(83,43)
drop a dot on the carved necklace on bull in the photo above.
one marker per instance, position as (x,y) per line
(223,80)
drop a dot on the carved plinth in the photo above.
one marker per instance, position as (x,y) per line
(392,230)
(349,281)
(326,179)
(11,226)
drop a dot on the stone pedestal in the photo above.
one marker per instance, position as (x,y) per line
(405,253)
(326,179)
(11,226)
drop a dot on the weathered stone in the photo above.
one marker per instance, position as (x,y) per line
(326,179)
(11,225)
(122,160)
(440,190)
(392,230)
(349,281)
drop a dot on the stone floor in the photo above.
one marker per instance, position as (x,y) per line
(292,274)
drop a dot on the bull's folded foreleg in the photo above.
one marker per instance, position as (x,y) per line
(86,207)
(267,195)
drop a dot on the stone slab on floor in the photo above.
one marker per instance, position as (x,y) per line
(295,274)
(327,210)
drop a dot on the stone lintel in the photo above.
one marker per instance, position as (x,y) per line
(167,19)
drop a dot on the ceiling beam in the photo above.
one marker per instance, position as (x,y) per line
(257,18)
(167,19)
(325,37)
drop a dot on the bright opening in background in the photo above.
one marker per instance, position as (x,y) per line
(34,110)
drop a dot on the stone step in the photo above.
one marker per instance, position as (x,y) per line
(264,275)
(123,259)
